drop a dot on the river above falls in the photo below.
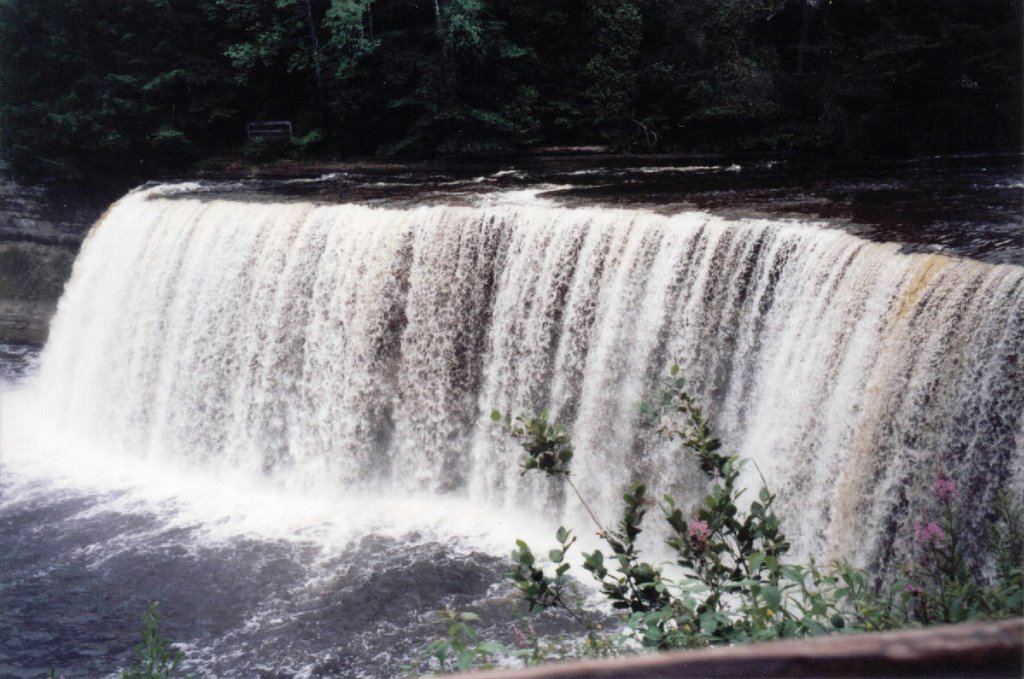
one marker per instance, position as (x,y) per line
(970,205)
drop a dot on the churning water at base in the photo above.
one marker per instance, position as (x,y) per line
(349,355)
(253,582)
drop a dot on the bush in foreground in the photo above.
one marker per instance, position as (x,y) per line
(731,582)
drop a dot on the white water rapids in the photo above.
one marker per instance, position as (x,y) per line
(344,349)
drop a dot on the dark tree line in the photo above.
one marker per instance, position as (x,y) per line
(95,88)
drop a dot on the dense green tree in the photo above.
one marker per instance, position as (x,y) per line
(916,76)
(550,52)
(97,88)
(432,76)
(708,74)
(275,56)
(610,73)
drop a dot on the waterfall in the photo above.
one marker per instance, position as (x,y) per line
(329,347)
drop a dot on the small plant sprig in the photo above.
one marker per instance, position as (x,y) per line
(547,449)
(539,589)
(546,444)
(157,658)
(1006,536)
(940,584)
(459,649)
(634,586)
(736,556)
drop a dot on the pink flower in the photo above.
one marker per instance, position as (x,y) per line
(927,532)
(699,533)
(911,589)
(945,489)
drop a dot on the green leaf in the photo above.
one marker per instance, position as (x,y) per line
(495,416)
(772,596)
(491,647)
(708,622)
(556,555)
(465,660)
(793,573)
(815,627)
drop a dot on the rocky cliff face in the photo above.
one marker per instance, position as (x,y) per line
(48,215)
(40,231)
(32,277)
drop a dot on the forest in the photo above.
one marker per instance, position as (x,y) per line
(93,91)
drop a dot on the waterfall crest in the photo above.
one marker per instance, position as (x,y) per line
(333,346)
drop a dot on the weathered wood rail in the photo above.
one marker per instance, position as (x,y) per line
(990,650)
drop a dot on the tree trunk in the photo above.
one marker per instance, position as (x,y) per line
(447,80)
(315,50)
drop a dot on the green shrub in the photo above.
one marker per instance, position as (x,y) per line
(735,585)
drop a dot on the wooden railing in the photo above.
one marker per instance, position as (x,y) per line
(987,649)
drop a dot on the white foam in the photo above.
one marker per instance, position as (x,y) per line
(318,361)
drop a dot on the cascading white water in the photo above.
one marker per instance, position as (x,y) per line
(341,347)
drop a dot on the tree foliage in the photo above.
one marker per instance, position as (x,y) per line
(96,88)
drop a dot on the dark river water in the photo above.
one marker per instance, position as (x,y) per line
(335,595)
(969,205)
(78,573)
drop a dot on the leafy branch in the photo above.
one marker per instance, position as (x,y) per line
(735,584)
